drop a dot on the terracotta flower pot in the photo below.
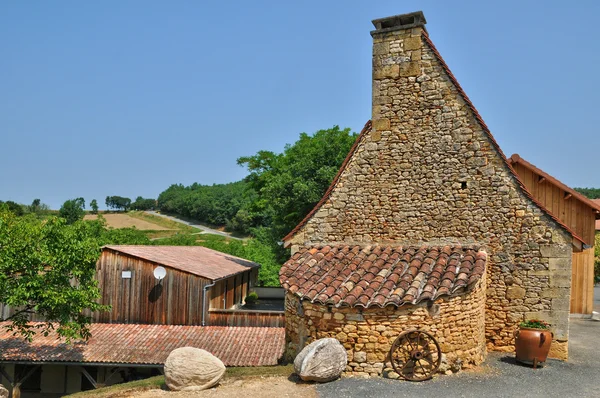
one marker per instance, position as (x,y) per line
(532,345)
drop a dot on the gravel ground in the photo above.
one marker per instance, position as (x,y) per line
(500,376)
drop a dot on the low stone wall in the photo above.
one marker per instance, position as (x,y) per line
(458,324)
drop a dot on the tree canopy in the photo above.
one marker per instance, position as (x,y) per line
(118,203)
(289,184)
(592,193)
(47,267)
(94,206)
(213,204)
(143,204)
(72,210)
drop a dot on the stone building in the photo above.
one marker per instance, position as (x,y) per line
(425,226)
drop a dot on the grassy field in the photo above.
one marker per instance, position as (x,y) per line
(158,382)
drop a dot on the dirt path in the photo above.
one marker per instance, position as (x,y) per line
(260,387)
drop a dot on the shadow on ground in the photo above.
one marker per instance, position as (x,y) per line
(500,375)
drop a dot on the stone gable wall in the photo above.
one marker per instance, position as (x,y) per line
(427,173)
(457,323)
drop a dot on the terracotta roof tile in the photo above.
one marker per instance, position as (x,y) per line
(196,260)
(412,275)
(148,344)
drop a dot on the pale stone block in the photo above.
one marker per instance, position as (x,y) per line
(381,124)
(412,43)
(562,264)
(515,292)
(386,72)
(557,251)
(412,68)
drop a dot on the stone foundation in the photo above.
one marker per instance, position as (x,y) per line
(457,323)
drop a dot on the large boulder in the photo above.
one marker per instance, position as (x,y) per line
(192,369)
(323,360)
(3,392)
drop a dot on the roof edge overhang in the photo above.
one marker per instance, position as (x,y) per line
(71,363)
(517,159)
(249,268)
(290,235)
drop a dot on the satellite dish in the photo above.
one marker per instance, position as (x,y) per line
(160,273)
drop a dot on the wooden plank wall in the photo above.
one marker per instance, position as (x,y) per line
(577,215)
(176,300)
(582,282)
(272,319)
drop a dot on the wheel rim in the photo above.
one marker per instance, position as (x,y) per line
(415,355)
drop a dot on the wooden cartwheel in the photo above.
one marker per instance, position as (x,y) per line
(415,355)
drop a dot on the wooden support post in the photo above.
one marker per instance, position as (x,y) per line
(17,382)
(88,376)
(111,374)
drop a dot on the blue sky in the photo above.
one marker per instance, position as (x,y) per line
(126,98)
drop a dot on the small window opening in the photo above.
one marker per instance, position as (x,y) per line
(463,185)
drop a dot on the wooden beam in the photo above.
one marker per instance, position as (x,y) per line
(88,376)
(3,372)
(111,374)
(541,179)
(567,195)
(16,385)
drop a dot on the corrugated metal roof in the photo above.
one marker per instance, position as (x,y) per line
(196,260)
(148,344)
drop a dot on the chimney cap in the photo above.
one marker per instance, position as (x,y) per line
(399,22)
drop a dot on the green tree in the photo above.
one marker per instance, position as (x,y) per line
(13,207)
(118,203)
(94,206)
(72,210)
(592,193)
(143,204)
(291,183)
(47,267)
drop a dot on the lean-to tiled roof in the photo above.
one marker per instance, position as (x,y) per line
(196,260)
(148,345)
(379,276)
(516,159)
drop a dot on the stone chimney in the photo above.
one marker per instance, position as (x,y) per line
(397,57)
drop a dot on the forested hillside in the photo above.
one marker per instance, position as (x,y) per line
(279,191)
(592,193)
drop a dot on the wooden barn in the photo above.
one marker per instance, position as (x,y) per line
(161,298)
(192,281)
(579,213)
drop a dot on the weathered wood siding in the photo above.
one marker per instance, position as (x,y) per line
(271,319)
(176,300)
(581,218)
(582,282)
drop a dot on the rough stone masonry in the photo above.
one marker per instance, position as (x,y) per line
(428,172)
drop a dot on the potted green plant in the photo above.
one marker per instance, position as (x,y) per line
(532,342)
(251,299)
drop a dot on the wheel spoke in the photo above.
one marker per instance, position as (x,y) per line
(424,371)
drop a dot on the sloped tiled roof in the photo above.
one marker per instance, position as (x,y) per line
(358,276)
(196,260)
(148,344)
(480,121)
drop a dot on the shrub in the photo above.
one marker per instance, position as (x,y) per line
(252,297)
(534,324)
